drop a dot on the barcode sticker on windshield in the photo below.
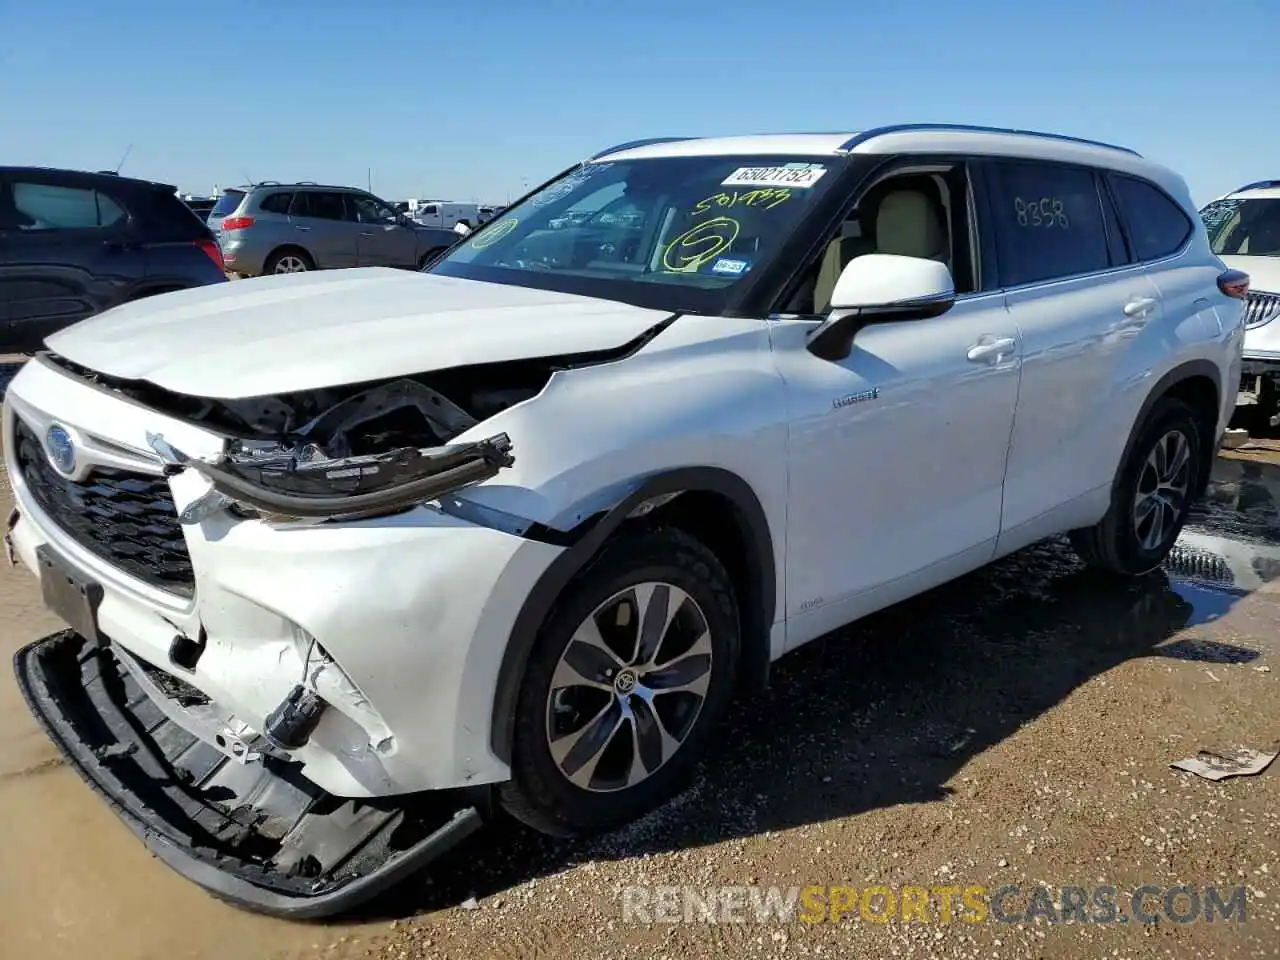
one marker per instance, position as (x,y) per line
(796,175)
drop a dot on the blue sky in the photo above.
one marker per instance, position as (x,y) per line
(473,100)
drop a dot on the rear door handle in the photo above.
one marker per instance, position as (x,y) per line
(302,228)
(1139,307)
(991,351)
(366,233)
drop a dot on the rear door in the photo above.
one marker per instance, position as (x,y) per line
(383,240)
(1078,299)
(70,253)
(325,227)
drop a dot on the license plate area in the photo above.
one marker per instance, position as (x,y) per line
(68,593)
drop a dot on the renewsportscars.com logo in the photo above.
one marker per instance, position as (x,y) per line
(1103,904)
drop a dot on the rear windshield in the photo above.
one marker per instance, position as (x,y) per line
(1244,228)
(227,203)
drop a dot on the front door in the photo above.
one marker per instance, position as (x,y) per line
(383,240)
(897,452)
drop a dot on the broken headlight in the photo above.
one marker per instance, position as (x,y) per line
(326,471)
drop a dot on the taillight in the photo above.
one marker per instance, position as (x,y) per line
(1234,283)
(214,252)
(237,223)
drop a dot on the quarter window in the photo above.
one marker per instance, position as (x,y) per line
(44,206)
(1049,222)
(1157,226)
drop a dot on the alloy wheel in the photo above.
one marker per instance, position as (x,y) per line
(629,687)
(1161,495)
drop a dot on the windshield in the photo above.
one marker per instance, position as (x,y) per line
(672,232)
(1245,228)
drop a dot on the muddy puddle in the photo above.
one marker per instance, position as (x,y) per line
(75,883)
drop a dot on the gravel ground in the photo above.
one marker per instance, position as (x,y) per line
(1015,727)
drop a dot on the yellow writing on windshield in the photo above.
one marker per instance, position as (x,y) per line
(766,199)
(487,238)
(700,244)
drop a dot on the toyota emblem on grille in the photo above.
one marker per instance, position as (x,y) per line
(62,449)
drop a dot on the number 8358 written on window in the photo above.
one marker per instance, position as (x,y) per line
(1047,212)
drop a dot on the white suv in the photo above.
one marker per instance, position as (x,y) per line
(353,559)
(1244,230)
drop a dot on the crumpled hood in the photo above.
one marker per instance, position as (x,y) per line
(279,334)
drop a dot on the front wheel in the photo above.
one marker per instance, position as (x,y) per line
(1152,496)
(624,684)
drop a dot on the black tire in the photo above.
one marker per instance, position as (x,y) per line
(1258,419)
(1114,543)
(540,793)
(273,261)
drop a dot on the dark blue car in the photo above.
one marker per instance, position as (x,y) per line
(73,244)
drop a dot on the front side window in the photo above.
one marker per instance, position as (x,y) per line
(372,210)
(1048,221)
(44,206)
(1157,225)
(1244,228)
(674,232)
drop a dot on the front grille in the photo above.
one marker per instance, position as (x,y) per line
(1259,308)
(128,519)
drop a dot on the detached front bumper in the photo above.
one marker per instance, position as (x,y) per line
(256,834)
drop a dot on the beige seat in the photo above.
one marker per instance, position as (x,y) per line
(908,223)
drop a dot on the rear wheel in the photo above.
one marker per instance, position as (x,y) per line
(1152,496)
(624,684)
(289,260)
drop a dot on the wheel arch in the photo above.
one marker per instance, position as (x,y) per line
(707,502)
(280,248)
(1198,383)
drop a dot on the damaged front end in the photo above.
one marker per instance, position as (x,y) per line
(362,456)
(246,826)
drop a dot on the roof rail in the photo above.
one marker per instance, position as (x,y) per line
(1259,185)
(633,144)
(865,135)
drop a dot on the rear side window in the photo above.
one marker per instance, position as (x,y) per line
(227,203)
(276,203)
(318,204)
(1049,222)
(44,206)
(1158,227)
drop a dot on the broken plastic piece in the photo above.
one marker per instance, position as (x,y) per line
(1238,762)
(290,725)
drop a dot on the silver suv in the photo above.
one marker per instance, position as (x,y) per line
(291,228)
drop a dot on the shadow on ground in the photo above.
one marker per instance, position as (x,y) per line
(886,712)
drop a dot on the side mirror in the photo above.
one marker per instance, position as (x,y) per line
(881,288)
(461,229)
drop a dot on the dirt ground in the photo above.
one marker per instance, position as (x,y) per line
(1015,727)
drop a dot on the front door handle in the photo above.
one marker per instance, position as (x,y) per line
(300,227)
(991,351)
(368,233)
(1139,307)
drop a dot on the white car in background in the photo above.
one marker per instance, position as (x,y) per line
(1244,230)
(353,559)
